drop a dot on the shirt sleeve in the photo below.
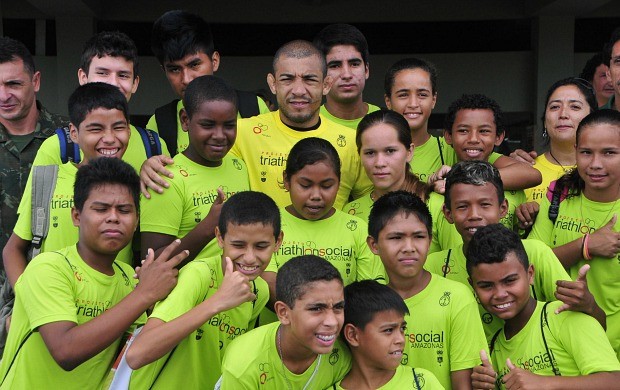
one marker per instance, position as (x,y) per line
(467,337)
(163,212)
(547,270)
(543,226)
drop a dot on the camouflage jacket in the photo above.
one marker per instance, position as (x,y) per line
(15,168)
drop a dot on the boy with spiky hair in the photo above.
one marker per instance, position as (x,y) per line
(374,329)
(446,335)
(74,304)
(536,348)
(301,350)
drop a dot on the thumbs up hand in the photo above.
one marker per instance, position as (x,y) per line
(605,242)
(483,376)
(519,378)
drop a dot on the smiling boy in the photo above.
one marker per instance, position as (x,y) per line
(536,348)
(301,351)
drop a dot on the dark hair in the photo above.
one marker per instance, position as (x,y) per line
(475,102)
(310,151)
(342,34)
(615,37)
(250,207)
(477,173)
(100,171)
(109,43)
(393,203)
(12,50)
(367,298)
(296,274)
(589,69)
(491,244)
(299,49)
(179,33)
(207,89)
(90,96)
(584,87)
(399,124)
(571,181)
(405,64)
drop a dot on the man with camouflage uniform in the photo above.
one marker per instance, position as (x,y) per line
(24,125)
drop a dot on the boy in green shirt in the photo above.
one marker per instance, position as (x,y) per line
(474,198)
(302,350)
(374,329)
(444,330)
(73,305)
(536,348)
(204,173)
(216,300)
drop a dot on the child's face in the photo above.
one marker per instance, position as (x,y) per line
(181,72)
(348,72)
(473,135)
(380,344)
(402,245)
(317,317)
(384,157)
(116,71)
(108,219)
(598,158)
(473,207)
(212,131)
(102,133)
(503,288)
(313,191)
(249,246)
(412,96)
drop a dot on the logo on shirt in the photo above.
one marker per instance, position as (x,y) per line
(263,176)
(334,357)
(487,318)
(352,225)
(445,299)
(55,221)
(62,202)
(272,159)
(264,373)
(420,381)
(576,225)
(223,321)
(353,208)
(88,308)
(237,164)
(197,217)
(260,129)
(298,248)
(204,198)
(426,340)
(341,141)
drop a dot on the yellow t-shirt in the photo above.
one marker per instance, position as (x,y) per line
(182,137)
(60,286)
(403,379)
(195,363)
(549,172)
(188,200)
(350,123)
(264,142)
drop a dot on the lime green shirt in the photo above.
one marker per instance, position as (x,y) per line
(187,201)
(351,123)
(427,158)
(195,363)
(60,286)
(360,207)
(403,380)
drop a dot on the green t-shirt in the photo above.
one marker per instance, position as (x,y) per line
(445,234)
(61,231)
(350,123)
(427,158)
(182,137)
(549,172)
(444,332)
(340,239)
(451,264)
(575,341)
(577,216)
(60,286)
(264,142)
(188,200)
(135,154)
(252,362)
(360,207)
(195,363)
(403,380)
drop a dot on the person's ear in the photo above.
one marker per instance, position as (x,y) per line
(283,312)
(447,213)
(351,334)
(372,244)
(279,241)
(82,76)
(327,84)
(215,59)
(184,120)
(73,133)
(530,274)
(75,216)
(388,103)
(499,138)
(503,208)
(271,82)
(220,238)
(447,135)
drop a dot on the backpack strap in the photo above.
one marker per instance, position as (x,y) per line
(69,150)
(166,119)
(248,105)
(492,343)
(415,378)
(446,265)
(543,321)
(43,184)
(440,151)
(150,140)
(555,197)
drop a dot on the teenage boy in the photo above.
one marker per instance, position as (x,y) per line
(474,198)
(536,348)
(216,300)
(73,305)
(99,123)
(346,53)
(204,173)
(302,350)
(473,127)
(444,330)
(111,58)
(374,329)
